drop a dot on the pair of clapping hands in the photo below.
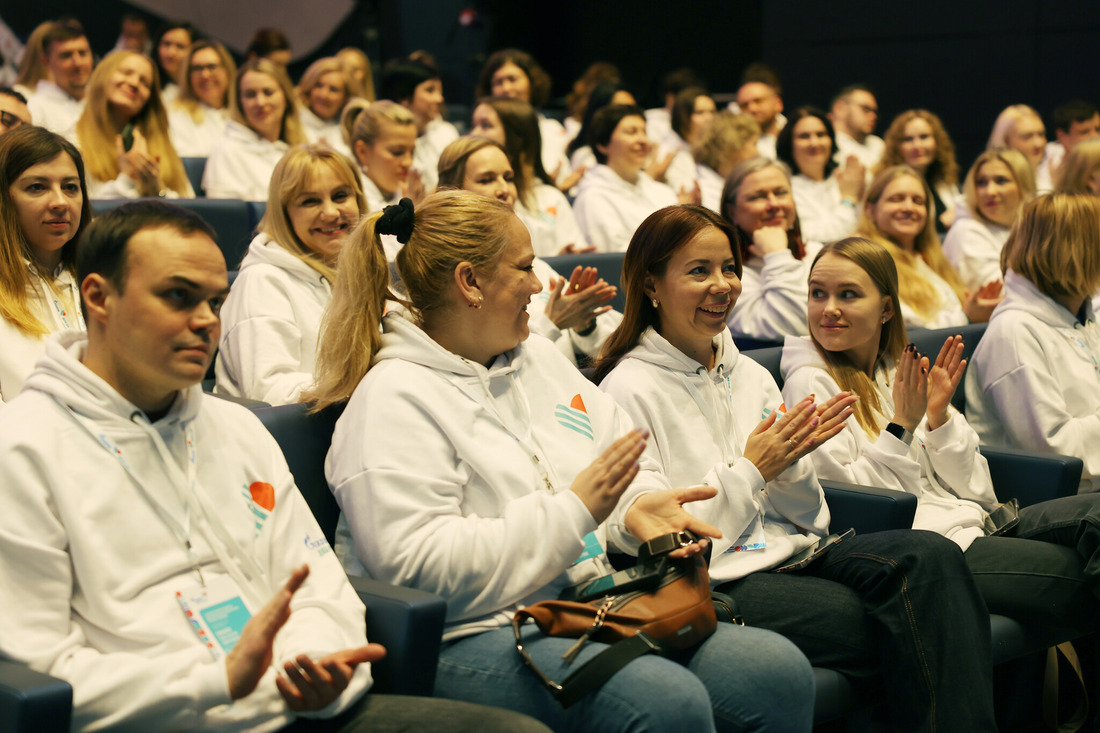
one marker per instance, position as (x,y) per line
(775,444)
(922,388)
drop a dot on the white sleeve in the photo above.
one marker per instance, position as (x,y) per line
(973,252)
(567,230)
(772,303)
(122,187)
(959,467)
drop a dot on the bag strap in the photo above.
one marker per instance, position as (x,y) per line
(665,544)
(592,675)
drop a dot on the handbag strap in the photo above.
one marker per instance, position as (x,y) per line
(665,544)
(592,675)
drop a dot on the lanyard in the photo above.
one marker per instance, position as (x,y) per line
(1080,343)
(63,319)
(725,435)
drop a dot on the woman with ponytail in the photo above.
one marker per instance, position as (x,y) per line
(476,463)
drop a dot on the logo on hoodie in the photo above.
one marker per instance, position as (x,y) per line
(575,417)
(260,498)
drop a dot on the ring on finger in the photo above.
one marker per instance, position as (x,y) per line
(792,443)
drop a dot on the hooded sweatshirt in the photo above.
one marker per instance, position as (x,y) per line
(609,208)
(241,164)
(270,323)
(773,296)
(1034,380)
(699,421)
(942,468)
(93,522)
(454,478)
(973,245)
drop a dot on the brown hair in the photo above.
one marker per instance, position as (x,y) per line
(944,169)
(538,79)
(1055,244)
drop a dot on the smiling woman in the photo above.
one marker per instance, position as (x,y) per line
(322,93)
(123,132)
(43,210)
(271,319)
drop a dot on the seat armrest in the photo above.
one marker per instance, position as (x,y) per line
(409,623)
(1032,477)
(32,702)
(867,508)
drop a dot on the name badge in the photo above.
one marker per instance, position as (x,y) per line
(217,613)
(751,539)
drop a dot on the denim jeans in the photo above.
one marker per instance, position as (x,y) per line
(1047,570)
(739,679)
(900,604)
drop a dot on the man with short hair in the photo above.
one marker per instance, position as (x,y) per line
(56,105)
(1074,122)
(762,102)
(154,550)
(13,110)
(854,115)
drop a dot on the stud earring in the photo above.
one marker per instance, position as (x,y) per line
(884,319)
(655,303)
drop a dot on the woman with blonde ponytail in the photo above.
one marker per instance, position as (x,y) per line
(474,462)
(897,214)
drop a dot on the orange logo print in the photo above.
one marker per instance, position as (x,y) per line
(263,494)
(578,404)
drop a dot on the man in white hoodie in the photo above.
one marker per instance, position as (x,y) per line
(154,550)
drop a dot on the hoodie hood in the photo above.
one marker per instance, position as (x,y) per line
(653,348)
(602,177)
(60,373)
(266,251)
(798,352)
(1022,295)
(403,339)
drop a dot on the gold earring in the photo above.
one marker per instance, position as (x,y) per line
(655,303)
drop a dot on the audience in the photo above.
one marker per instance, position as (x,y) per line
(33,67)
(658,121)
(1074,122)
(854,116)
(917,139)
(728,139)
(58,99)
(358,69)
(383,138)
(43,210)
(760,100)
(1020,127)
(604,93)
(692,109)
(322,93)
(264,125)
(415,85)
(1080,171)
(170,48)
(999,183)
(271,44)
(576,101)
(13,110)
(199,115)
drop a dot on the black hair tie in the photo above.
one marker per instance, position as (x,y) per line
(398,220)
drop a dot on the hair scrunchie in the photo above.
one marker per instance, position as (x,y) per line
(398,220)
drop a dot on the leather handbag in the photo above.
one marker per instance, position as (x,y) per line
(677,614)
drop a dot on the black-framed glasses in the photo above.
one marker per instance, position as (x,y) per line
(10,121)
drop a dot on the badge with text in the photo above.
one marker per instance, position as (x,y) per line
(217,613)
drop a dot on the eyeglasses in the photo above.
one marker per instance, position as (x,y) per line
(199,68)
(9,121)
(865,107)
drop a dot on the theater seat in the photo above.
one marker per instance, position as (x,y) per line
(195,168)
(609,265)
(31,702)
(408,622)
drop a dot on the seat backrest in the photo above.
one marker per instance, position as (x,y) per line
(305,439)
(930,341)
(769,359)
(195,167)
(608,264)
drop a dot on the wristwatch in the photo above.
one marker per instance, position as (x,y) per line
(900,433)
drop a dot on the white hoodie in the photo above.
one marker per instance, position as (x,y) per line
(241,164)
(973,245)
(195,139)
(90,564)
(609,208)
(551,222)
(773,296)
(454,478)
(820,212)
(270,323)
(1034,380)
(328,132)
(942,467)
(699,421)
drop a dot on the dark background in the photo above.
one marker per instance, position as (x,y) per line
(963,60)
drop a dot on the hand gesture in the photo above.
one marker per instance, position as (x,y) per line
(413,187)
(572,179)
(979,306)
(662,512)
(142,168)
(601,484)
(766,240)
(851,178)
(576,303)
(910,388)
(313,685)
(658,168)
(251,656)
(777,442)
(693,195)
(831,417)
(943,380)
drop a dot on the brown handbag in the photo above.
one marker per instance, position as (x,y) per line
(676,615)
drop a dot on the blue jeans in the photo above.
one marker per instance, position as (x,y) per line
(900,604)
(740,679)
(1047,570)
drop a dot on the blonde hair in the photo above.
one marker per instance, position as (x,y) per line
(366,89)
(1055,244)
(915,290)
(1080,164)
(291,176)
(453,159)
(450,227)
(944,169)
(188,99)
(96,131)
(879,264)
(1006,123)
(313,75)
(367,119)
(32,68)
(19,150)
(1016,163)
(291,130)
(723,138)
